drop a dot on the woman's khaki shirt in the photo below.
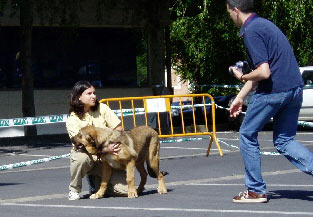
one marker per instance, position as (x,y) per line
(104,117)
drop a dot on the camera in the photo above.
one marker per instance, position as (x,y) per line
(243,66)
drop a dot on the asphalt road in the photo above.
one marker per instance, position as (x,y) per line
(197,185)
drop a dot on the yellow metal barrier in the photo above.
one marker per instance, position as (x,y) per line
(160,105)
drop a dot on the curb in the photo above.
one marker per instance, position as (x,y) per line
(40,140)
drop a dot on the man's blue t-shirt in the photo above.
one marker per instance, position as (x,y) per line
(265,42)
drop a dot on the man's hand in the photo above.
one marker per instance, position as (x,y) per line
(236,107)
(113,148)
(237,73)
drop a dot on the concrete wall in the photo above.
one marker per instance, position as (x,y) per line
(51,102)
(94,13)
(121,13)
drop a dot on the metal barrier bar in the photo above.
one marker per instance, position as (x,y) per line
(171,121)
(159,123)
(166,109)
(182,115)
(205,114)
(134,116)
(122,117)
(193,116)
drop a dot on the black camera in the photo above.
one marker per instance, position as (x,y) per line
(241,65)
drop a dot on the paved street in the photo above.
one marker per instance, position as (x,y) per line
(197,185)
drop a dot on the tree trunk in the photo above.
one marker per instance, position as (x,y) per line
(26,22)
(197,80)
(168,62)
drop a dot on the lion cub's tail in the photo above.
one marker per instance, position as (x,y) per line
(153,174)
(153,157)
(151,171)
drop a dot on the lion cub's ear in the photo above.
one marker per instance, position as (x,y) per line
(75,140)
(93,137)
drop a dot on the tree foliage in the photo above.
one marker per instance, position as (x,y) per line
(295,19)
(205,41)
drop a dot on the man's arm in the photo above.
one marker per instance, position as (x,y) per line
(251,79)
(262,72)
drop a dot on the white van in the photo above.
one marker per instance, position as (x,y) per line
(306,112)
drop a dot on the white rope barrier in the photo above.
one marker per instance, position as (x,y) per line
(43,160)
(32,162)
(51,119)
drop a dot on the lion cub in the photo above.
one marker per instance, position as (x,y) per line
(139,145)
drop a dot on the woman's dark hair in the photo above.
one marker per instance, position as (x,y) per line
(75,105)
(246,6)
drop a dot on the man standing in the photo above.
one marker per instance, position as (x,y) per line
(278,95)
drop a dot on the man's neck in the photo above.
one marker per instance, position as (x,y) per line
(244,16)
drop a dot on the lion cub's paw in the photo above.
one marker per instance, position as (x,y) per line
(140,190)
(162,191)
(95,196)
(132,194)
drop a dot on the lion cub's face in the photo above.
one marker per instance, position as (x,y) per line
(86,139)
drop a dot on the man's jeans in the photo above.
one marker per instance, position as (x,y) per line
(284,108)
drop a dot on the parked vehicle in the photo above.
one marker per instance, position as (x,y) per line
(221,115)
(306,112)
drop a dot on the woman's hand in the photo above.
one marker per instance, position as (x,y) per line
(113,148)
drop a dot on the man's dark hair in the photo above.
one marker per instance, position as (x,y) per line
(246,6)
(75,105)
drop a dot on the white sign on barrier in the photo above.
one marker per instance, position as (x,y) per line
(156,105)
